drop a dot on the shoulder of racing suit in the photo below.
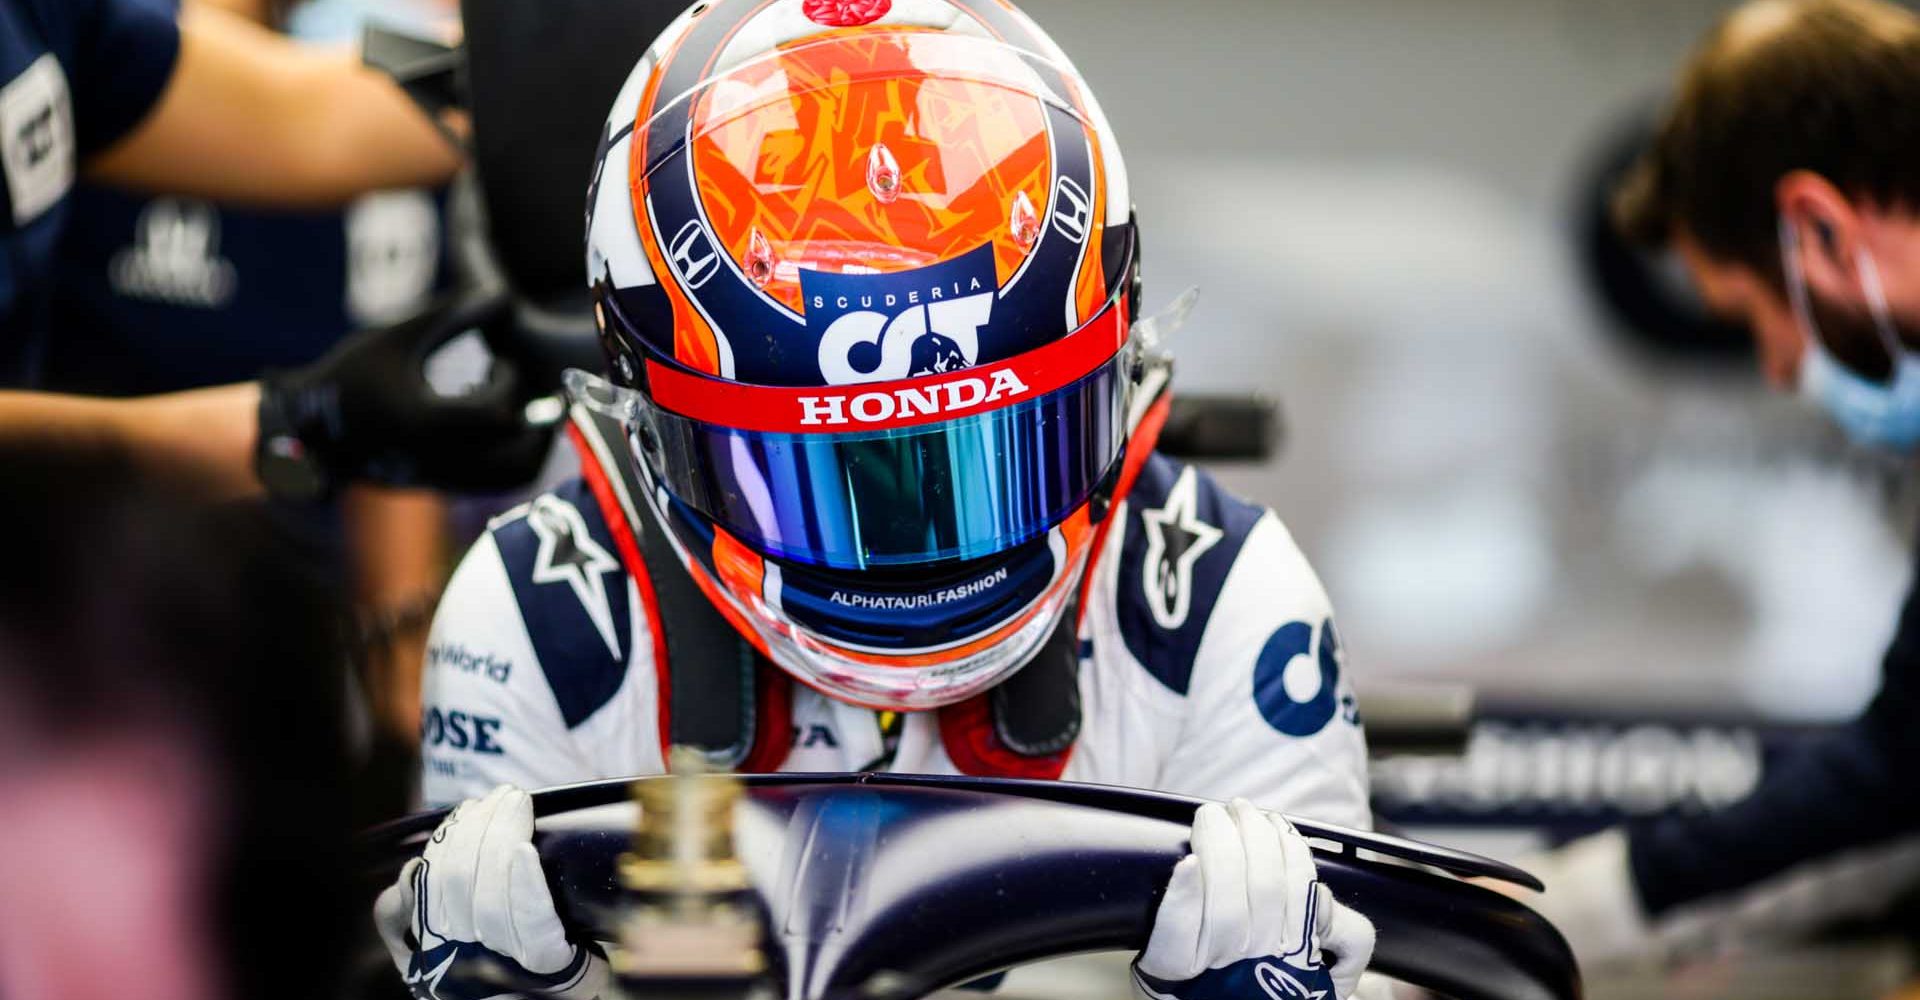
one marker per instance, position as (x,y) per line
(1181,535)
(572,593)
(1213,603)
(1217,670)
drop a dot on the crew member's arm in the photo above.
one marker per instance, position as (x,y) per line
(399,556)
(248,116)
(1838,806)
(363,413)
(1849,790)
(202,439)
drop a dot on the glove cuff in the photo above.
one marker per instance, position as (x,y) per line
(586,977)
(284,453)
(1249,977)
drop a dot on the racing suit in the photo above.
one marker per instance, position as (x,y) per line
(1225,680)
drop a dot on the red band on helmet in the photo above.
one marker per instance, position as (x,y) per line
(906,402)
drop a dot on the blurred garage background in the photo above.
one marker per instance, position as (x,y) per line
(1377,200)
(1652,572)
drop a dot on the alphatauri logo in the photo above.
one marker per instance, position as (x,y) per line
(393,255)
(36,139)
(906,324)
(941,335)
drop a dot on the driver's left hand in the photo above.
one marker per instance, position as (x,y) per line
(1245,915)
(472,917)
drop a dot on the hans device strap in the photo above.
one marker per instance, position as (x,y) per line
(711,667)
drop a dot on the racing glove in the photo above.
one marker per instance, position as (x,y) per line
(472,918)
(1245,915)
(366,411)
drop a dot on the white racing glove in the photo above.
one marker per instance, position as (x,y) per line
(472,918)
(1245,916)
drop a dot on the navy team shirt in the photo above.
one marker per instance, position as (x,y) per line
(75,77)
(164,294)
(1853,788)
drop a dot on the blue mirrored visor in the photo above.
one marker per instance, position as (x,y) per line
(958,489)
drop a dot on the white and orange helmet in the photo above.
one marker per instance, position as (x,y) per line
(866,274)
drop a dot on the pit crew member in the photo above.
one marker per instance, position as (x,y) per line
(1782,176)
(214,107)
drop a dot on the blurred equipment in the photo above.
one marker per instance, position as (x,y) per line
(537,79)
(1223,428)
(1643,291)
(172,755)
(1413,718)
(689,926)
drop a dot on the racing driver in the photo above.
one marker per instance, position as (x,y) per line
(872,486)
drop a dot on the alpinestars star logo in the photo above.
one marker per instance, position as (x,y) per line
(424,983)
(1176,539)
(568,554)
(1277,983)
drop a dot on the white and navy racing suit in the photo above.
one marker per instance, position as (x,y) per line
(1226,679)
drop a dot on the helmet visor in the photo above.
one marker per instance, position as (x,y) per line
(921,470)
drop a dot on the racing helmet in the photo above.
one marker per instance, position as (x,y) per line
(866,275)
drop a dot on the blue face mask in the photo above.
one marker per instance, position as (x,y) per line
(1882,415)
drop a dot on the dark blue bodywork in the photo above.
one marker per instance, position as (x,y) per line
(892,886)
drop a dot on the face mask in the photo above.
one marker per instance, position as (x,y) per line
(1874,414)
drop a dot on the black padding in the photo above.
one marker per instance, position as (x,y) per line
(1036,712)
(542,76)
(1221,428)
(712,702)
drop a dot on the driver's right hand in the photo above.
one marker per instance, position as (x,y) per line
(1246,915)
(472,917)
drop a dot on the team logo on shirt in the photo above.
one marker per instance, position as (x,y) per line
(568,554)
(393,255)
(1296,679)
(1176,539)
(175,257)
(36,139)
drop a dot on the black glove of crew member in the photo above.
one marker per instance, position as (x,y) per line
(366,412)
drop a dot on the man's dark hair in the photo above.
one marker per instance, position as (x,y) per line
(1830,86)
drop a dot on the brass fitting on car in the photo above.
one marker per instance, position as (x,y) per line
(689,925)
